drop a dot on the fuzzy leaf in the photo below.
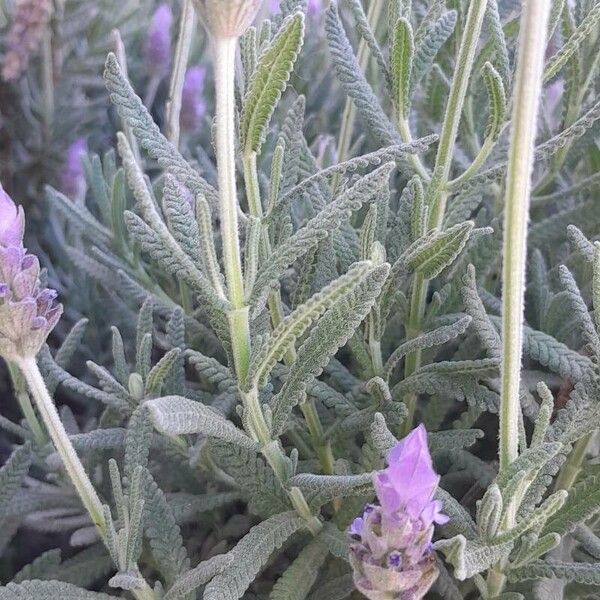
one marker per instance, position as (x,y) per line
(48,590)
(269,81)
(251,554)
(284,336)
(329,334)
(300,576)
(401,54)
(430,255)
(175,415)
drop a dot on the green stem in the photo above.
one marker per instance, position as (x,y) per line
(48,81)
(349,114)
(224,63)
(526,100)
(437,191)
(571,469)
(26,407)
(528,86)
(180,61)
(61,441)
(321,447)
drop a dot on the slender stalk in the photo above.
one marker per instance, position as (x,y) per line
(437,191)
(224,62)
(61,441)
(349,114)
(528,87)
(26,407)
(321,446)
(48,81)
(571,469)
(180,61)
(527,93)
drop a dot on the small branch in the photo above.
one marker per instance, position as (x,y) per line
(180,61)
(61,441)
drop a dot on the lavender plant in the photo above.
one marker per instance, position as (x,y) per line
(348,255)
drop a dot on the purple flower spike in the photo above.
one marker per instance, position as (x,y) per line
(193,107)
(72,178)
(157,51)
(28,312)
(391,550)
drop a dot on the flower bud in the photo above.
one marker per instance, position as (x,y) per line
(72,177)
(390,551)
(28,311)
(227,18)
(157,50)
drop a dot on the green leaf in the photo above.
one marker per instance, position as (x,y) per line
(496,101)
(48,590)
(583,503)
(470,557)
(269,81)
(175,415)
(428,42)
(162,531)
(160,372)
(431,254)
(12,475)
(300,576)
(573,44)
(401,58)
(273,348)
(437,337)
(353,80)
(256,479)
(366,189)
(199,575)
(587,573)
(251,554)
(329,334)
(132,110)
(320,489)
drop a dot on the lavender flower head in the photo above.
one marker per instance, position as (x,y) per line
(193,107)
(28,312)
(157,50)
(391,550)
(72,178)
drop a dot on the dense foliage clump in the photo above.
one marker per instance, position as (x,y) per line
(329,280)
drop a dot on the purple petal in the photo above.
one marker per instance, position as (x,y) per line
(12,221)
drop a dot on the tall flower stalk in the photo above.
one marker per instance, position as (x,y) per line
(226,22)
(527,94)
(528,89)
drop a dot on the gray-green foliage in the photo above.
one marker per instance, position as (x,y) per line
(251,466)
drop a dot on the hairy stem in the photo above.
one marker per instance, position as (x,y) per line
(570,470)
(528,87)
(321,446)
(224,63)
(27,409)
(61,441)
(180,61)
(437,190)
(527,93)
